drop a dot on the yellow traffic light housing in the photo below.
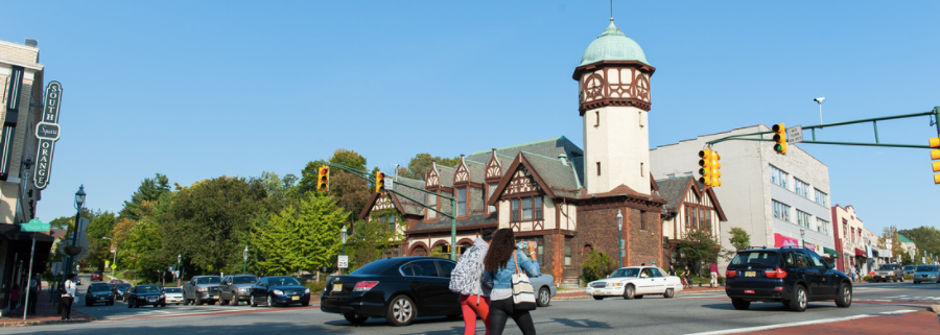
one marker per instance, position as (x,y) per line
(935,155)
(323,178)
(780,136)
(709,168)
(716,169)
(379,182)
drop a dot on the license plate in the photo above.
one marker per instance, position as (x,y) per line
(338,287)
(748,291)
(750,273)
(295,298)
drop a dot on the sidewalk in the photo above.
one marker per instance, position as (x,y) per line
(45,314)
(578,293)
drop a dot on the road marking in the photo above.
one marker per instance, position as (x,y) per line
(206,313)
(801,323)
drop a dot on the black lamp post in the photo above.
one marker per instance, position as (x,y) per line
(73,251)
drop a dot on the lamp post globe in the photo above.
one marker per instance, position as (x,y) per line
(342,236)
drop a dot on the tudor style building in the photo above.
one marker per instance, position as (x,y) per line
(551,191)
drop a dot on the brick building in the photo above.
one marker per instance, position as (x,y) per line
(551,191)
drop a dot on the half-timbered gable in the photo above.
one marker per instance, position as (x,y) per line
(690,206)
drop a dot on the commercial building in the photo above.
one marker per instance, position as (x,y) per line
(21,80)
(779,200)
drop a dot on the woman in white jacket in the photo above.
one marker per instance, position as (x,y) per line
(465,279)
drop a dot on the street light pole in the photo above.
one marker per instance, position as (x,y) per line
(245,256)
(114,251)
(620,237)
(803,237)
(342,235)
(179,271)
(79,202)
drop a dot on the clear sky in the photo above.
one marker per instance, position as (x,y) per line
(200,89)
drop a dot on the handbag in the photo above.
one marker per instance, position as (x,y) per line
(523,297)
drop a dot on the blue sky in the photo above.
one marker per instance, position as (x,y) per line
(199,89)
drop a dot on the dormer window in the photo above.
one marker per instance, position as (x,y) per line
(462,201)
(526,209)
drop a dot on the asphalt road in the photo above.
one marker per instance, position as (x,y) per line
(688,313)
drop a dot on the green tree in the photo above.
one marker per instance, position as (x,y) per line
(369,240)
(925,238)
(697,248)
(297,239)
(420,164)
(149,190)
(596,265)
(740,238)
(99,248)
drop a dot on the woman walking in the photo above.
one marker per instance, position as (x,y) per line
(466,279)
(501,261)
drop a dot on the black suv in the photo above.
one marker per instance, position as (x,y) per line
(788,275)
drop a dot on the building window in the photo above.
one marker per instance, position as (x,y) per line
(641,169)
(824,224)
(801,188)
(781,211)
(688,220)
(462,201)
(597,119)
(490,189)
(778,177)
(567,253)
(432,203)
(515,210)
(821,198)
(530,209)
(540,250)
(526,209)
(391,222)
(708,220)
(598,168)
(804,219)
(643,220)
(537,208)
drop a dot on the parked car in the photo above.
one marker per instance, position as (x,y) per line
(97,276)
(173,295)
(544,288)
(236,288)
(202,289)
(399,289)
(635,282)
(909,269)
(279,291)
(142,295)
(99,293)
(886,272)
(120,291)
(927,274)
(791,276)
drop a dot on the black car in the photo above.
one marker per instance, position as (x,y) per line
(120,291)
(788,275)
(99,293)
(142,295)
(399,289)
(279,291)
(236,288)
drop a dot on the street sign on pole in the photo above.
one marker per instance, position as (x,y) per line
(795,134)
(389,184)
(342,262)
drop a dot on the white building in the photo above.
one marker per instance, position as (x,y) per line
(780,200)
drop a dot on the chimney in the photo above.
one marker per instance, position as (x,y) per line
(31,43)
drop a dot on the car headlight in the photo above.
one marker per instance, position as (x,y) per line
(244,289)
(201,289)
(278,292)
(618,284)
(306,291)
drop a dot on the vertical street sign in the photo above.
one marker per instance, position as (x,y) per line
(47,131)
(342,262)
(795,134)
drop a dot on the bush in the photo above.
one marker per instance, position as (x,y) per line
(908,277)
(316,287)
(867,278)
(596,265)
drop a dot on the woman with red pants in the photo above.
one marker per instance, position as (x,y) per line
(465,279)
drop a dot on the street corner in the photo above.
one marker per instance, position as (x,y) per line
(78,317)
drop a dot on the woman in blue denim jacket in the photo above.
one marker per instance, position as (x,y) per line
(498,266)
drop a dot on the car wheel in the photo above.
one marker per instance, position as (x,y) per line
(223,302)
(740,304)
(270,301)
(234,300)
(916,282)
(197,301)
(355,319)
(401,311)
(798,303)
(639,297)
(544,297)
(670,292)
(598,298)
(629,292)
(845,296)
(251,301)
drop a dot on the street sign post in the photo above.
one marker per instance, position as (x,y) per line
(33,226)
(342,262)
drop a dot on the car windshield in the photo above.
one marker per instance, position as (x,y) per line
(908,267)
(123,286)
(282,281)
(377,267)
(208,280)
(99,287)
(147,289)
(888,267)
(626,272)
(245,280)
(926,268)
(759,258)
(172,290)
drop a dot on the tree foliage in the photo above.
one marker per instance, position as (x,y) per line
(369,240)
(925,238)
(596,265)
(698,248)
(99,248)
(150,190)
(420,164)
(740,238)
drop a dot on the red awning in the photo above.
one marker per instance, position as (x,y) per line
(860,253)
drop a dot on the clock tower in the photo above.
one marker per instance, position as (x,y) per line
(614,96)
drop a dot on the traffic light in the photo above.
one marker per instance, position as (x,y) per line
(935,155)
(323,178)
(709,168)
(379,182)
(780,136)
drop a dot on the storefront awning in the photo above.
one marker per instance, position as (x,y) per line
(830,252)
(860,253)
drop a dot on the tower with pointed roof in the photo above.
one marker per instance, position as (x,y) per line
(614,100)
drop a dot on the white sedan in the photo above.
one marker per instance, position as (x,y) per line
(635,282)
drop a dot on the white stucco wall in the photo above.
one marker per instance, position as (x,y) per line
(618,138)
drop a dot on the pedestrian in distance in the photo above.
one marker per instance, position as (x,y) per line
(467,278)
(68,297)
(502,260)
(14,297)
(688,277)
(672,270)
(34,287)
(713,270)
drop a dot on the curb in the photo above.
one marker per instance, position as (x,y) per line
(26,323)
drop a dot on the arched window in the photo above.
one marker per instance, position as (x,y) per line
(587,250)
